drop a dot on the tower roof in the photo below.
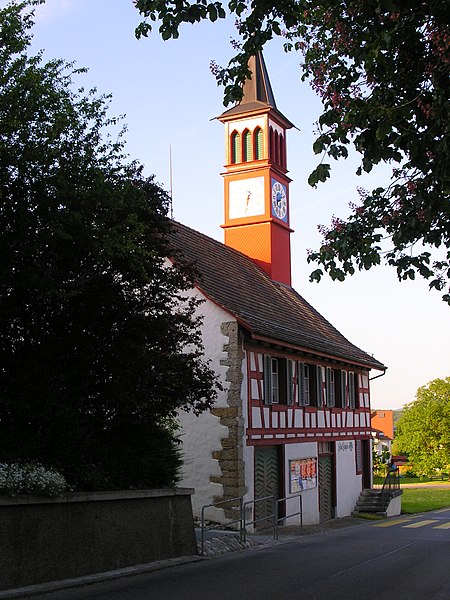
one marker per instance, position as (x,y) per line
(257,92)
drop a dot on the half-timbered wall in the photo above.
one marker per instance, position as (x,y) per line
(273,419)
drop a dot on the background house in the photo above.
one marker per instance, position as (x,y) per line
(383,434)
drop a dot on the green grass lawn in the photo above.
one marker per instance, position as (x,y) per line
(422,499)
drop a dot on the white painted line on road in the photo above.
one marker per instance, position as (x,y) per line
(372,559)
(443,526)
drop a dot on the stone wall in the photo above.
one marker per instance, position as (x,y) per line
(81,534)
(230,457)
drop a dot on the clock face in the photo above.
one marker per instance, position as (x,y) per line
(246,198)
(279,202)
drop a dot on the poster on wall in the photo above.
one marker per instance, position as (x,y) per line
(302,474)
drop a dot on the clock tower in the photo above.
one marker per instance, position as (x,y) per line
(255,179)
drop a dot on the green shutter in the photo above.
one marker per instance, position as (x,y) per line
(290,382)
(328,386)
(319,386)
(247,143)
(267,379)
(343,390)
(235,147)
(258,144)
(351,390)
(301,383)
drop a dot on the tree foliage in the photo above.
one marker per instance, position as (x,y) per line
(381,69)
(423,430)
(99,348)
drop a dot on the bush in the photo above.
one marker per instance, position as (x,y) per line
(30,478)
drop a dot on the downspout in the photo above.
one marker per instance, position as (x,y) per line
(376,377)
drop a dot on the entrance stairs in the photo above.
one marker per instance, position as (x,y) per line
(374,502)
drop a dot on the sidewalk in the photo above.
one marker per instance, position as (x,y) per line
(220,542)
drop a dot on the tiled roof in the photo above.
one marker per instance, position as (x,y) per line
(267,309)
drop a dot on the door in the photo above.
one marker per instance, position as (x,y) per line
(266,483)
(367,475)
(326,481)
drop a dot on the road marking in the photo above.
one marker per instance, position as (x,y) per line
(372,559)
(443,526)
(422,523)
(394,522)
(443,510)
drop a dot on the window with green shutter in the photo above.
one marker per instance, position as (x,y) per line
(319,383)
(351,390)
(247,145)
(330,384)
(278,381)
(290,382)
(235,147)
(258,143)
(304,398)
(267,379)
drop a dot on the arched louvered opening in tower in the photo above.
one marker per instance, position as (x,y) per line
(258,143)
(235,147)
(246,146)
(282,151)
(276,144)
(271,144)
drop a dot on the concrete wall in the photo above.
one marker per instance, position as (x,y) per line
(80,534)
(348,483)
(310,497)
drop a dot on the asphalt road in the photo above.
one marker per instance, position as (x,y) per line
(396,559)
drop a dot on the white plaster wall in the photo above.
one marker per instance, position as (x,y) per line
(395,507)
(202,435)
(310,497)
(348,483)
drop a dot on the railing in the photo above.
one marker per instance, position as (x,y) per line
(218,526)
(273,518)
(391,483)
(287,516)
(254,502)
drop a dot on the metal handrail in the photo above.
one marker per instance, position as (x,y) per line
(300,512)
(218,526)
(391,482)
(245,523)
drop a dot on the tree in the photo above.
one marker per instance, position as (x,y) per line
(423,430)
(99,347)
(381,69)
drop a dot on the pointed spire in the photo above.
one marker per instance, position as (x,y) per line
(257,93)
(258,88)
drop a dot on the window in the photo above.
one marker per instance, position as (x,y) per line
(330,387)
(258,143)
(315,387)
(274,373)
(352,390)
(278,380)
(247,145)
(304,398)
(235,147)
(319,385)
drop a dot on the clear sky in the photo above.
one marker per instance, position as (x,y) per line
(170,98)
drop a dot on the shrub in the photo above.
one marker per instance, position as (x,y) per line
(30,478)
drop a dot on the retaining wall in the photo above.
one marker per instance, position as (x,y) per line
(46,539)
